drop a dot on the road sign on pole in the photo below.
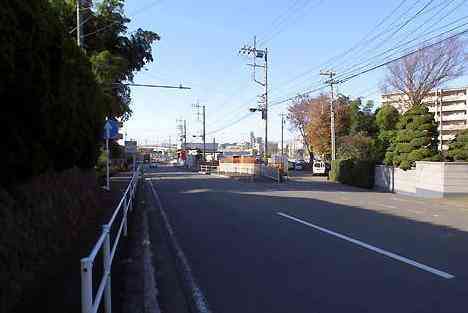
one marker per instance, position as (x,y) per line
(111,131)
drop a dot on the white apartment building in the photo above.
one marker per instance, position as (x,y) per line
(449,106)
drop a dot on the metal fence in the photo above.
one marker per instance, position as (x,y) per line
(90,302)
(208,169)
(270,172)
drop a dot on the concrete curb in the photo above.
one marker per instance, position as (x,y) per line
(197,301)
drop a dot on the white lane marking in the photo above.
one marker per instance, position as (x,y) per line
(201,305)
(372,248)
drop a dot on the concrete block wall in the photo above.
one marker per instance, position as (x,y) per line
(240,168)
(456,178)
(428,179)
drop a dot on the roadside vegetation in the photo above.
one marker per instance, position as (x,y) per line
(58,97)
(366,135)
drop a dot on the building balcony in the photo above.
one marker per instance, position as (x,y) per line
(454,127)
(452,117)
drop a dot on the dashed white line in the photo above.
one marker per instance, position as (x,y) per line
(372,248)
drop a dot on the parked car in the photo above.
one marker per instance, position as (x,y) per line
(299,166)
(320,168)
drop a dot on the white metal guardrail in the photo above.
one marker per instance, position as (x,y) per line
(208,169)
(89,302)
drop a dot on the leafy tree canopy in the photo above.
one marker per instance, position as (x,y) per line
(116,55)
(387,118)
(362,120)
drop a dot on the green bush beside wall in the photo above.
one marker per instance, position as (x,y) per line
(353,172)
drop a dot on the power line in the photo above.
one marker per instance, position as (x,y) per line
(330,60)
(399,43)
(401,57)
(355,67)
(386,39)
(132,15)
(284,25)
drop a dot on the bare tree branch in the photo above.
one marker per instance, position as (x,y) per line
(418,74)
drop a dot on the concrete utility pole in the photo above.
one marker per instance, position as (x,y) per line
(441,103)
(79,26)
(214,149)
(198,106)
(261,54)
(185,135)
(282,140)
(331,81)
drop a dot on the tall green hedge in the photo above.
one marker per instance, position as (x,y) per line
(53,109)
(353,172)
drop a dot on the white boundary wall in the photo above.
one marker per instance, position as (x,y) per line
(428,179)
(252,169)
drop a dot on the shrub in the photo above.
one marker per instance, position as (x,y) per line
(458,148)
(43,222)
(416,139)
(353,172)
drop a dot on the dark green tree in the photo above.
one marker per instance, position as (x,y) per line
(362,119)
(116,54)
(458,148)
(386,119)
(416,138)
(357,147)
(55,106)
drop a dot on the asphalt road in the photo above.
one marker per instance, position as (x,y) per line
(316,247)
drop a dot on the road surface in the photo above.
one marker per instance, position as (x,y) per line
(313,246)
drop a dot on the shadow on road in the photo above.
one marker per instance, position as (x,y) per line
(221,222)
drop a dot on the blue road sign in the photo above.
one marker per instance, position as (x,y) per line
(111,129)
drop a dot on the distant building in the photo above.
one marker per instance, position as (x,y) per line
(252,139)
(448,105)
(296,149)
(210,147)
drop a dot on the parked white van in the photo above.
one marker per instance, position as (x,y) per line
(320,168)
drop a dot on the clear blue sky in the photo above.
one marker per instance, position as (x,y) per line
(199,48)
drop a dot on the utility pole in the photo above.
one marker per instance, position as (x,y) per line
(79,26)
(185,135)
(261,54)
(282,134)
(331,81)
(440,100)
(282,139)
(214,149)
(203,136)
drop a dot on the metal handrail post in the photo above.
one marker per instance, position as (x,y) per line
(86,285)
(107,269)
(125,211)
